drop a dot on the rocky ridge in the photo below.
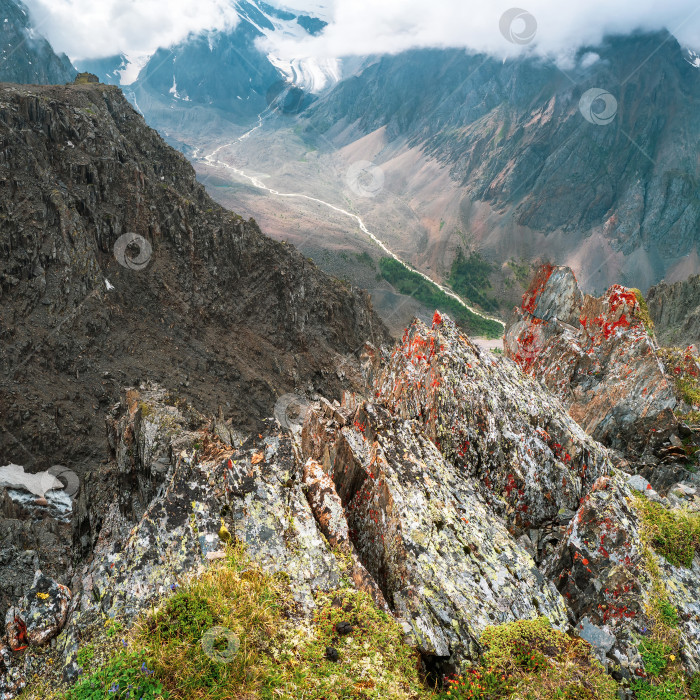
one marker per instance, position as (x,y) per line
(373,490)
(600,359)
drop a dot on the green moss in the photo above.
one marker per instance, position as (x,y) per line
(666,612)
(187,615)
(529,659)
(675,534)
(655,655)
(670,689)
(689,389)
(643,313)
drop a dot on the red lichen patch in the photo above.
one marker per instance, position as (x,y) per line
(531,297)
(619,296)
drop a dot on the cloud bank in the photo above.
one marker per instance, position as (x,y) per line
(89,29)
(546,27)
(99,28)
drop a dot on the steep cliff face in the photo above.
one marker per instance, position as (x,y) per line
(117,268)
(25,56)
(116,264)
(675,310)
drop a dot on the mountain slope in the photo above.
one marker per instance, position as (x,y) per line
(25,56)
(675,310)
(223,72)
(618,202)
(118,268)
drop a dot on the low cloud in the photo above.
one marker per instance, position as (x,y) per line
(547,27)
(89,29)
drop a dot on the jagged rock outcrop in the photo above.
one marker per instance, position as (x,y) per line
(675,310)
(384,492)
(601,569)
(116,269)
(494,424)
(447,566)
(596,356)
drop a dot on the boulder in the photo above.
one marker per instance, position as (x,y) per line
(40,615)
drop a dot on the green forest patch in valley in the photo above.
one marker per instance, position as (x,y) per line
(412,284)
(469,277)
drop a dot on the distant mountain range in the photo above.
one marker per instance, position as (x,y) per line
(511,159)
(25,55)
(221,70)
(536,176)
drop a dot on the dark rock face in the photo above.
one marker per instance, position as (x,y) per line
(675,310)
(212,308)
(25,56)
(597,357)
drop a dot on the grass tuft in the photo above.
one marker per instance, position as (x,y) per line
(528,659)
(675,534)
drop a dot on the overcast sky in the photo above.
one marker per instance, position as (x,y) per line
(94,28)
